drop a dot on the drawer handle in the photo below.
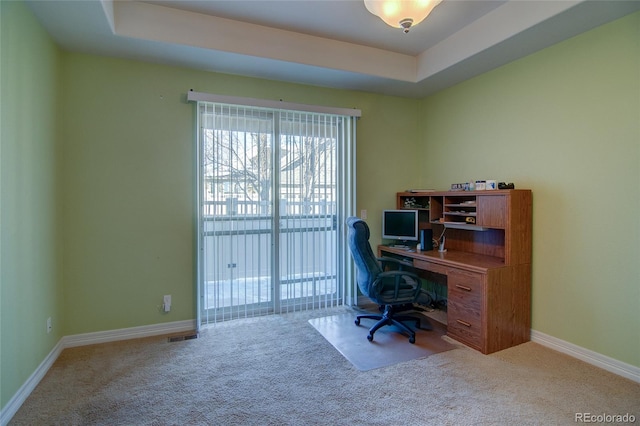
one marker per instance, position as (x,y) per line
(463,287)
(466,324)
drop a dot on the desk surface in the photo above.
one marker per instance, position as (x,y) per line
(458,259)
(488,301)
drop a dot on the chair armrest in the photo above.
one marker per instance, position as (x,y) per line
(394,261)
(389,274)
(398,278)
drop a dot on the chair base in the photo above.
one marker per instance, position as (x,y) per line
(388,318)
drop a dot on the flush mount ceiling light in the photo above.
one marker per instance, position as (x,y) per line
(401,13)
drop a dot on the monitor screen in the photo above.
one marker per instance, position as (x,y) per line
(400,225)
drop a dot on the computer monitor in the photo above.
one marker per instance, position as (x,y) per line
(400,225)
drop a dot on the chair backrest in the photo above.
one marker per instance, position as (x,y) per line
(367,266)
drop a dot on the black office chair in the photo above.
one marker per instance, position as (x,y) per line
(393,290)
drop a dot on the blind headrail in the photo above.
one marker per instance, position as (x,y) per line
(193,96)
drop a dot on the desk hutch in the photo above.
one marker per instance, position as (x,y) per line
(487,263)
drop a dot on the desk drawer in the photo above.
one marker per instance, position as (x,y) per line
(464,309)
(430,266)
(465,329)
(464,322)
(465,281)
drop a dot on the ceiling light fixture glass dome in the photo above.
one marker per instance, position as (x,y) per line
(401,13)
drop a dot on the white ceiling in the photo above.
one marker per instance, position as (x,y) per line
(332,43)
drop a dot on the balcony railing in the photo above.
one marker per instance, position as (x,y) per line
(236,207)
(238,237)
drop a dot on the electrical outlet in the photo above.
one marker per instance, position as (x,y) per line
(363,214)
(49,326)
(167,303)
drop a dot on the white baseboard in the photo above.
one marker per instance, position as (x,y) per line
(14,404)
(128,333)
(25,390)
(612,365)
(606,363)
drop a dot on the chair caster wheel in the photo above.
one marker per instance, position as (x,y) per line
(412,339)
(357,321)
(370,337)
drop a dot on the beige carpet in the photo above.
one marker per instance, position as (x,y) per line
(279,370)
(388,346)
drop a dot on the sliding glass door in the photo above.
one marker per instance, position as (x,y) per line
(273,200)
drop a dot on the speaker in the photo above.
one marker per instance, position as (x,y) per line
(426,239)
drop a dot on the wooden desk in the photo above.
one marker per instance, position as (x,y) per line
(488,303)
(487,263)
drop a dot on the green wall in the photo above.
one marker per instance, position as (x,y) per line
(97,181)
(564,122)
(30,261)
(128,144)
(98,175)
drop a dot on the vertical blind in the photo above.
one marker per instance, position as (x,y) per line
(275,187)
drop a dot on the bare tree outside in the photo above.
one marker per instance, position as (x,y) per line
(307,160)
(269,187)
(239,165)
